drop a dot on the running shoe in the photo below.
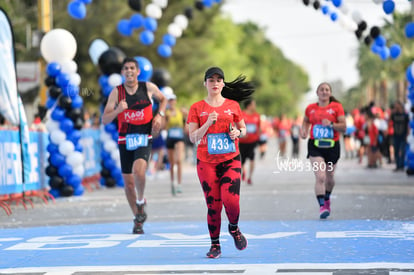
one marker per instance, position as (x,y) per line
(215,251)
(178,189)
(243,176)
(328,205)
(239,240)
(249,181)
(173,189)
(323,212)
(140,218)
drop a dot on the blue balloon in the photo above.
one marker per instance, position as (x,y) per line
(375,48)
(337,3)
(334,16)
(325,9)
(50,102)
(77,102)
(145,67)
(58,114)
(78,147)
(111,128)
(146,37)
(124,27)
(380,41)
(107,90)
(150,24)
(77,9)
(54,193)
(409,75)
(385,53)
(409,30)
(78,191)
(164,50)
(395,51)
(57,159)
(208,3)
(65,170)
(53,69)
(74,136)
(66,125)
(388,6)
(136,21)
(115,136)
(103,80)
(109,164)
(169,40)
(74,181)
(52,148)
(62,80)
(70,91)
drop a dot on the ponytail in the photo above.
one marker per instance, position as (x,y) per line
(239,89)
(333,99)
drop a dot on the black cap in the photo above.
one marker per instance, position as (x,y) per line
(212,71)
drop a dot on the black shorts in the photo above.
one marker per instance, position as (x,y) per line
(330,155)
(170,142)
(128,157)
(247,151)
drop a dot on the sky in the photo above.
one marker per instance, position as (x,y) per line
(325,49)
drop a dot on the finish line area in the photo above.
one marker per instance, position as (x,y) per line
(275,247)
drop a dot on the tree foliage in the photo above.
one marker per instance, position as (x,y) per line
(211,39)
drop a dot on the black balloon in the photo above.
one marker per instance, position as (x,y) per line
(412,109)
(56,182)
(135,4)
(65,102)
(362,26)
(66,190)
(358,34)
(161,77)
(54,91)
(306,2)
(188,12)
(110,61)
(78,124)
(105,173)
(74,114)
(49,81)
(375,32)
(51,171)
(110,182)
(316,5)
(199,5)
(410,172)
(367,40)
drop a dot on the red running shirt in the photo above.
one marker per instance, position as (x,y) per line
(228,112)
(252,128)
(332,111)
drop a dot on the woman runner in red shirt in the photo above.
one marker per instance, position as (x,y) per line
(215,124)
(325,119)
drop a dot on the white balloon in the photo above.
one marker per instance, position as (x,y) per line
(79,170)
(115,155)
(57,136)
(344,8)
(74,79)
(182,21)
(174,30)
(105,136)
(97,47)
(74,159)
(110,146)
(412,147)
(153,11)
(52,125)
(410,139)
(58,45)
(356,16)
(66,147)
(161,3)
(115,80)
(69,67)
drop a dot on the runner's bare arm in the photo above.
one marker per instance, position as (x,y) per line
(111,110)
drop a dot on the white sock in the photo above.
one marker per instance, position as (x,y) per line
(140,202)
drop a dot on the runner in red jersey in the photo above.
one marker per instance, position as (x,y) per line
(131,104)
(216,124)
(325,120)
(251,140)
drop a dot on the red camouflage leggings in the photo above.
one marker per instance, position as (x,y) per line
(221,186)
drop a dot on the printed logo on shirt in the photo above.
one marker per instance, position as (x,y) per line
(229,112)
(330,111)
(130,115)
(204,114)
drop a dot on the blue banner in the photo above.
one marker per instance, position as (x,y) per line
(91,151)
